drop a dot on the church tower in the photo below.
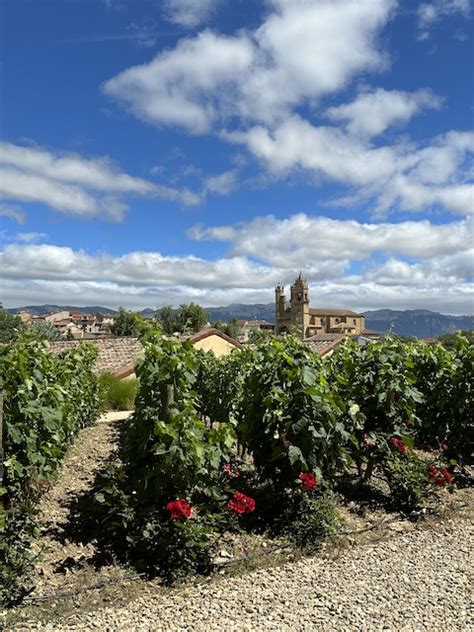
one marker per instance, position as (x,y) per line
(300,306)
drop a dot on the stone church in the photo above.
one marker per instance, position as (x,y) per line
(299,318)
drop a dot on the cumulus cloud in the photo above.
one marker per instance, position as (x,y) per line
(431,12)
(303,50)
(222,183)
(189,13)
(371,113)
(296,240)
(403,176)
(72,184)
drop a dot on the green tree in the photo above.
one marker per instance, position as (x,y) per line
(46,330)
(168,318)
(10,325)
(192,317)
(129,323)
(231,328)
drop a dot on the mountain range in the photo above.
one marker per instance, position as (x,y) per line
(421,323)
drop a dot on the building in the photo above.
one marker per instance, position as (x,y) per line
(247,327)
(301,319)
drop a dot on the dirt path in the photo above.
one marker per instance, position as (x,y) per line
(91,449)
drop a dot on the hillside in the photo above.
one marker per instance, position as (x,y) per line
(421,323)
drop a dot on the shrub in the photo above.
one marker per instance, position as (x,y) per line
(447,409)
(408,480)
(378,385)
(289,419)
(47,400)
(116,394)
(169,456)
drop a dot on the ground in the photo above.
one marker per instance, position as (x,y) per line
(382,572)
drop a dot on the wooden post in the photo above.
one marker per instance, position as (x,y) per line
(1,437)
(168,399)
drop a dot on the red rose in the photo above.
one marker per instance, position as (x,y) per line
(240,504)
(308,479)
(440,476)
(179,509)
(398,443)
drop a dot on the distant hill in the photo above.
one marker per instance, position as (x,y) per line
(421,323)
(42,310)
(258,311)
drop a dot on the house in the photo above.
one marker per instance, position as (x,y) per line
(324,343)
(298,317)
(247,327)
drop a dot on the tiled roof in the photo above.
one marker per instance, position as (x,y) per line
(211,331)
(329,311)
(115,354)
(323,343)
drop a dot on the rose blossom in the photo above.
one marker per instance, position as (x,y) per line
(440,476)
(308,479)
(398,443)
(179,509)
(240,504)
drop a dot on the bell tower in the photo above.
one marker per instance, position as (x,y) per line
(300,306)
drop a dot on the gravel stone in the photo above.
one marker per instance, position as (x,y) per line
(421,580)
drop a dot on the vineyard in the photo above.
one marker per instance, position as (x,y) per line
(271,439)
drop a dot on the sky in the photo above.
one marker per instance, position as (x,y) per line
(161,152)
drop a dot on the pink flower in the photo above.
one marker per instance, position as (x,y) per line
(399,445)
(308,479)
(240,504)
(440,476)
(228,469)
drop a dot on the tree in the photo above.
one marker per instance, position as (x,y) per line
(192,317)
(128,323)
(46,330)
(231,328)
(10,325)
(188,318)
(169,320)
(449,340)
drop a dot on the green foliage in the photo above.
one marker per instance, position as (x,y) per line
(128,323)
(378,385)
(288,415)
(230,329)
(407,479)
(188,318)
(45,330)
(10,326)
(449,341)
(47,400)
(169,453)
(308,519)
(445,379)
(117,394)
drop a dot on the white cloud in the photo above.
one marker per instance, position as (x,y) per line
(431,12)
(31,237)
(371,113)
(12,212)
(189,13)
(438,280)
(301,239)
(404,175)
(73,184)
(303,50)
(223,183)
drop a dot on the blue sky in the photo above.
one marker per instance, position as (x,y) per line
(161,152)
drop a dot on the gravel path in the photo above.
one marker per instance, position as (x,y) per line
(418,580)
